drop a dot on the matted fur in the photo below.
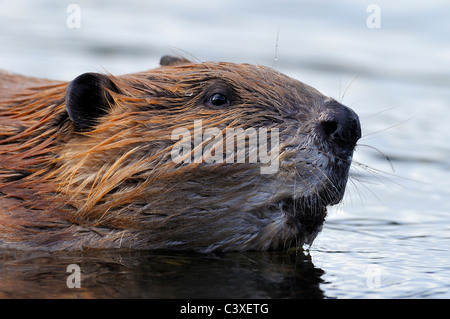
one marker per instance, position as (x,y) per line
(117,186)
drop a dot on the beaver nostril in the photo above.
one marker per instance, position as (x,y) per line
(340,125)
(329,127)
(343,132)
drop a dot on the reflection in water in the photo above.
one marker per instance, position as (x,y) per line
(143,274)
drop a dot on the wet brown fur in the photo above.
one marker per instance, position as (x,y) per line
(116,185)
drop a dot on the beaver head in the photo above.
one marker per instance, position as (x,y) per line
(204,156)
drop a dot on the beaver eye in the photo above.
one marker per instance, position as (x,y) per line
(218,99)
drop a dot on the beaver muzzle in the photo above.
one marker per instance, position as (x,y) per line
(338,132)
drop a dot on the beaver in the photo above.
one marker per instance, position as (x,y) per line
(89,163)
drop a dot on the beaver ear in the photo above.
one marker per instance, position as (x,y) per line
(167,60)
(87,99)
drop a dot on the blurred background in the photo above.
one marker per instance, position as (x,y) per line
(388,60)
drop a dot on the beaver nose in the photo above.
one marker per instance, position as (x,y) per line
(341,125)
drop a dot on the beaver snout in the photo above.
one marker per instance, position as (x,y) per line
(340,125)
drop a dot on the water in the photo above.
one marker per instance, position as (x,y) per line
(389,238)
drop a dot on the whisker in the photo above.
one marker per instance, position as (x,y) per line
(381,153)
(374,171)
(351,82)
(382,111)
(188,53)
(387,128)
(363,184)
(327,188)
(275,59)
(356,188)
